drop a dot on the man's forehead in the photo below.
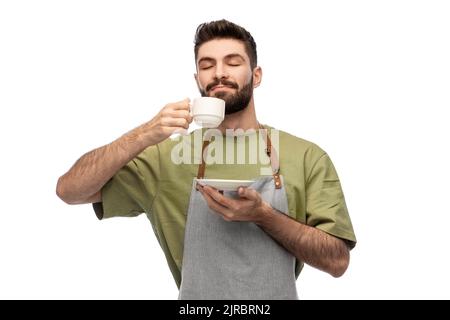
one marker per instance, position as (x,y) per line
(220,48)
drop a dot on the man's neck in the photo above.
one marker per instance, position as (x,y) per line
(244,119)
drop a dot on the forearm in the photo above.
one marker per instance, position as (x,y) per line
(91,172)
(83,182)
(306,243)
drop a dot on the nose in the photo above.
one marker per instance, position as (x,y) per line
(221,72)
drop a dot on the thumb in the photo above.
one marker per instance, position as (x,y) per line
(248,193)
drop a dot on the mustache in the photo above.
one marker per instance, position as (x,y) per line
(222,82)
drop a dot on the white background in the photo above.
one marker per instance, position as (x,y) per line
(366,80)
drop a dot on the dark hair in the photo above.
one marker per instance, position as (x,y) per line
(223,29)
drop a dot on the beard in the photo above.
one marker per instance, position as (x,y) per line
(233,102)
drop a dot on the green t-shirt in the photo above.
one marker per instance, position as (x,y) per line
(159,181)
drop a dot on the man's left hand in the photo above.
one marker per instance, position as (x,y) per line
(249,207)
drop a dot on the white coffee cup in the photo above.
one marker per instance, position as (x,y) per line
(208,112)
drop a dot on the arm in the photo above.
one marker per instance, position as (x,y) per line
(83,182)
(308,244)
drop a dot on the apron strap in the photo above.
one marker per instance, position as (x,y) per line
(201,167)
(274,161)
(270,151)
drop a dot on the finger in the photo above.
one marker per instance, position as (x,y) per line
(178,114)
(178,130)
(180,105)
(218,197)
(175,122)
(215,206)
(212,203)
(248,193)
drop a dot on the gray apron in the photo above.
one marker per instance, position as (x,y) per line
(235,260)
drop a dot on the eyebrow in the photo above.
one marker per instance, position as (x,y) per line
(227,57)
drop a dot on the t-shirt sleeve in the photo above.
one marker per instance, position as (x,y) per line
(132,189)
(325,203)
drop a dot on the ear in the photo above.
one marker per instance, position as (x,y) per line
(257,77)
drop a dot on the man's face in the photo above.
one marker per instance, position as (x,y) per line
(224,72)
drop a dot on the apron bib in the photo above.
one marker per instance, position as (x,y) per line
(236,260)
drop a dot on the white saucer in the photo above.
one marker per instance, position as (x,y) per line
(225,185)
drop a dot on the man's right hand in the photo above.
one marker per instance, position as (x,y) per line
(173,118)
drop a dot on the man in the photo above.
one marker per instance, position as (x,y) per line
(249,244)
